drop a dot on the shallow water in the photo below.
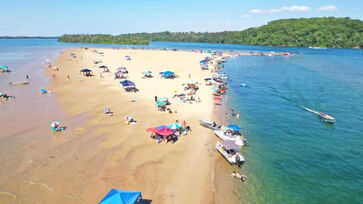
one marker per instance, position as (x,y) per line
(293,156)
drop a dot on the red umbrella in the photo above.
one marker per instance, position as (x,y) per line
(152,130)
(217,98)
(165,132)
(189,94)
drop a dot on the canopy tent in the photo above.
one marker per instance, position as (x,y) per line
(229,144)
(168,74)
(86,72)
(127,83)
(116,196)
(234,127)
(174,126)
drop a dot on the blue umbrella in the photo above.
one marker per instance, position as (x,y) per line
(234,127)
(161,127)
(116,196)
(127,83)
(86,70)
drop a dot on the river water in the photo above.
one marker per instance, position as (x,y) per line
(293,156)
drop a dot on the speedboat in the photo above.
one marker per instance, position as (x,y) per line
(212,125)
(327,118)
(236,137)
(229,150)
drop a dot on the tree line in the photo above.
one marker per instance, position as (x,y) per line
(329,32)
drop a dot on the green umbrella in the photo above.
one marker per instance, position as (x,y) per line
(175,126)
(160,103)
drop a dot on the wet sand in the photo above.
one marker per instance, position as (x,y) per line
(102,153)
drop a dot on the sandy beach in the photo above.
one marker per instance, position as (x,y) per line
(103,153)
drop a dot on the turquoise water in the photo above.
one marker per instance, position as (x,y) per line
(293,156)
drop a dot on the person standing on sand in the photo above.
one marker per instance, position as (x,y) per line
(27,77)
(68,76)
(156,98)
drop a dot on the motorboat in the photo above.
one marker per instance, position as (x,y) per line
(229,150)
(235,136)
(212,125)
(19,83)
(327,118)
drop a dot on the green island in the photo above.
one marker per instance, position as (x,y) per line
(326,32)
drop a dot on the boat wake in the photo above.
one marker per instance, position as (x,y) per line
(310,110)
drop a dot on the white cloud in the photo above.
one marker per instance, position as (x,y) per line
(328,8)
(246,16)
(282,9)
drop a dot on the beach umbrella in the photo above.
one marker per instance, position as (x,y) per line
(43,91)
(175,126)
(207,79)
(54,124)
(3,67)
(148,72)
(160,103)
(121,68)
(129,117)
(234,127)
(217,98)
(127,83)
(116,196)
(163,99)
(215,88)
(161,127)
(165,132)
(102,67)
(152,130)
(189,94)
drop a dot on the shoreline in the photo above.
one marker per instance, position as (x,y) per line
(65,99)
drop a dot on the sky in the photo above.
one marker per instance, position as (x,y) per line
(57,17)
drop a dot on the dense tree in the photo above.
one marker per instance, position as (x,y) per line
(316,32)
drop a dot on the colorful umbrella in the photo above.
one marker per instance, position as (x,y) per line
(129,117)
(165,132)
(217,98)
(54,124)
(189,94)
(175,126)
(152,130)
(163,99)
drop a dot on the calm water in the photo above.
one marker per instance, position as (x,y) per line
(293,156)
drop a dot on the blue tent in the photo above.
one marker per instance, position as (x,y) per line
(86,70)
(234,127)
(167,73)
(127,83)
(116,196)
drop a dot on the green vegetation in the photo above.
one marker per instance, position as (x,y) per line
(316,32)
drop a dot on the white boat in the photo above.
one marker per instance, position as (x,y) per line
(229,150)
(19,83)
(327,118)
(236,138)
(212,125)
